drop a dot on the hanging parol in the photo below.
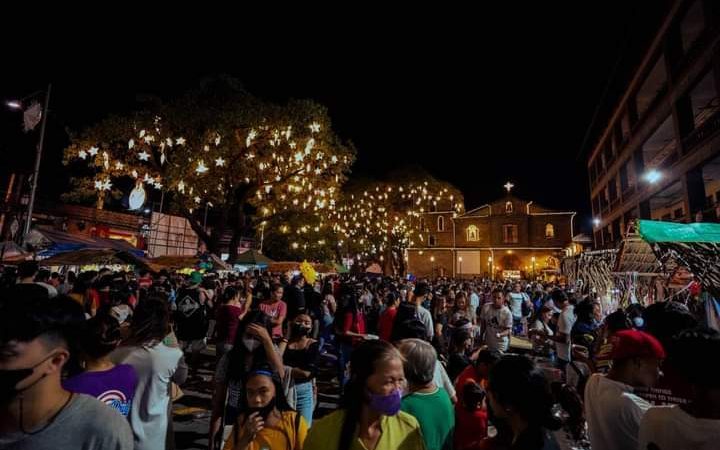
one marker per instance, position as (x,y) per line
(137,197)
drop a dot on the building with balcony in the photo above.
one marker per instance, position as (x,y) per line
(658,155)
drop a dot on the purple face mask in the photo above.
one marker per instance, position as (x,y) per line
(388,405)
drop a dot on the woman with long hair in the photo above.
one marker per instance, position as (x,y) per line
(267,420)
(157,365)
(369,415)
(301,352)
(520,397)
(253,347)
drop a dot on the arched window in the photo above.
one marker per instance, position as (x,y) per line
(508,207)
(472,234)
(441,223)
(422,224)
(549,231)
(432,241)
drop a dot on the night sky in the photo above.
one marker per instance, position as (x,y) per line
(475,97)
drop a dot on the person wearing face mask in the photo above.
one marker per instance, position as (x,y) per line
(36,413)
(301,352)
(253,347)
(369,416)
(268,422)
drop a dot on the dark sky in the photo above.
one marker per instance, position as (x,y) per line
(477,97)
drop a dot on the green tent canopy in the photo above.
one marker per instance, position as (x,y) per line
(653,231)
(253,258)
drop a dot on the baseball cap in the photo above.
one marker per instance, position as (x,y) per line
(635,344)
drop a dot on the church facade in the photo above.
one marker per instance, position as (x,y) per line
(508,238)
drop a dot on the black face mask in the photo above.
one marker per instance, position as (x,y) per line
(9,378)
(263,410)
(300,330)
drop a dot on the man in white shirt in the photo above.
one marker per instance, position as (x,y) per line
(693,425)
(613,412)
(564,328)
(420,294)
(497,322)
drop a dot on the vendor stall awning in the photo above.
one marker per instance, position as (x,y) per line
(53,242)
(654,231)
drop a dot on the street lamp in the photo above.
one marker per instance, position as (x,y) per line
(490,267)
(533,266)
(596,222)
(652,176)
(17,104)
(432,261)
(460,263)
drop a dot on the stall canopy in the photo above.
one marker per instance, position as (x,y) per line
(11,252)
(253,258)
(185,262)
(693,245)
(104,257)
(287,266)
(53,242)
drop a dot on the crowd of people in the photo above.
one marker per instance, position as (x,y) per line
(94,360)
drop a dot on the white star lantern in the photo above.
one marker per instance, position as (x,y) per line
(106,185)
(180,141)
(131,144)
(98,185)
(314,127)
(201,167)
(93,151)
(219,162)
(197,199)
(143,156)
(82,154)
(181,187)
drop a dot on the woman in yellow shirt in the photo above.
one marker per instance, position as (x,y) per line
(268,422)
(369,417)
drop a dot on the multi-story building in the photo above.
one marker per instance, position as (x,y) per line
(658,155)
(506,238)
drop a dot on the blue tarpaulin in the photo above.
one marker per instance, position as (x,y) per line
(53,242)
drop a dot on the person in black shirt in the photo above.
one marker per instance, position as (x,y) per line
(301,352)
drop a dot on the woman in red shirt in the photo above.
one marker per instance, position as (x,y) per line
(387,318)
(351,331)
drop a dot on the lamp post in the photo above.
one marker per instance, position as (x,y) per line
(490,267)
(38,156)
(460,264)
(533,266)
(432,262)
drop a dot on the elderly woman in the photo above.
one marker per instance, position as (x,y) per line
(426,401)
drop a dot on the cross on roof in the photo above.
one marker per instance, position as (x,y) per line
(508,186)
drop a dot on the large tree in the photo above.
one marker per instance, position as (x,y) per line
(252,161)
(379,220)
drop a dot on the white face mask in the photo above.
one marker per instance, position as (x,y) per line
(251,344)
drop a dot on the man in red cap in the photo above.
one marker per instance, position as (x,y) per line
(612,410)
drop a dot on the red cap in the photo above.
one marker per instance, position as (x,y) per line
(635,344)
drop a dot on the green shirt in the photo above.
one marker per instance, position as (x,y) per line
(436,415)
(399,432)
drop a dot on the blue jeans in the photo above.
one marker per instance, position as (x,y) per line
(305,402)
(344,353)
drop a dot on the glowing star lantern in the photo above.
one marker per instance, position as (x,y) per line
(137,197)
(201,167)
(82,154)
(143,156)
(219,162)
(180,141)
(181,187)
(131,144)
(93,151)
